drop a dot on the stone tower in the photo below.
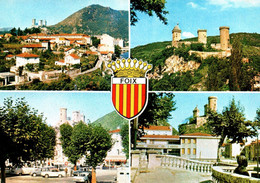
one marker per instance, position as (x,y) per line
(63,115)
(176,34)
(213,103)
(202,36)
(33,22)
(206,109)
(196,112)
(224,37)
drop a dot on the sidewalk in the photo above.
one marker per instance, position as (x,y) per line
(165,175)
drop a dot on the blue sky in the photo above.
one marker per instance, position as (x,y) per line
(239,15)
(186,102)
(92,105)
(19,13)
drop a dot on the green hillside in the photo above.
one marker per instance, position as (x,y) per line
(111,121)
(95,20)
(250,41)
(213,74)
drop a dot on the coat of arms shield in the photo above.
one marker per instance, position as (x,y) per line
(129,86)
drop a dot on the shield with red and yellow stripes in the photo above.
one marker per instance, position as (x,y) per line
(129,96)
(129,86)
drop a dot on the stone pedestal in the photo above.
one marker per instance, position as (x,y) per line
(135,158)
(153,159)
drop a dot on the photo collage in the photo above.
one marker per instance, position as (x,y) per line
(129,91)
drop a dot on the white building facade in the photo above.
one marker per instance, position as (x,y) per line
(26,58)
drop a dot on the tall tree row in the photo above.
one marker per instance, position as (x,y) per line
(24,134)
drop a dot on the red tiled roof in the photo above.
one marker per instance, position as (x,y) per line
(22,37)
(74,56)
(115,131)
(104,52)
(196,134)
(164,128)
(33,46)
(27,55)
(101,45)
(91,52)
(62,61)
(9,56)
(68,49)
(161,136)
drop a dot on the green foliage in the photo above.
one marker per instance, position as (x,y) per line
(158,110)
(231,124)
(124,132)
(111,121)
(191,128)
(95,41)
(99,142)
(218,74)
(23,134)
(117,51)
(174,82)
(96,20)
(148,7)
(197,47)
(29,67)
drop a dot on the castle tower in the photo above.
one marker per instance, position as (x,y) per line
(202,36)
(63,115)
(196,112)
(40,23)
(213,103)
(33,22)
(176,34)
(224,37)
(206,109)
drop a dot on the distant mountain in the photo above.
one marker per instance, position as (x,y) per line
(96,20)
(111,121)
(5,29)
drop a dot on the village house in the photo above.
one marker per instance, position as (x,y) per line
(26,58)
(39,47)
(115,156)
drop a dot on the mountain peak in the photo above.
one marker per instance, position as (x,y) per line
(96,20)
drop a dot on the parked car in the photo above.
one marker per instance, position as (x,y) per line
(83,177)
(16,171)
(54,172)
(80,170)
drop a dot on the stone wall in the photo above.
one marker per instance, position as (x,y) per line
(219,176)
(175,64)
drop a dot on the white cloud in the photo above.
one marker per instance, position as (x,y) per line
(187,35)
(224,4)
(194,5)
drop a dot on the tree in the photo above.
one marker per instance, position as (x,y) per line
(13,31)
(124,132)
(99,141)
(67,134)
(19,32)
(149,7)
(157,112)
(93,141)
(117,51)
(230,124)
(21,129)
(95,41)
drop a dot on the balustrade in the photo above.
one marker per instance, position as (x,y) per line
(187,164)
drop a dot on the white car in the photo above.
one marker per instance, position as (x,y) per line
(83,177)
(53,173)
(16,171)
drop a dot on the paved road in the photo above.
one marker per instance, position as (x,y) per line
(164,175)
(103,176)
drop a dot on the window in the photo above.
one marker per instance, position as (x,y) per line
(194,151)
(194,141)
(183,141)
(183,151)
(188,150)
(189,141)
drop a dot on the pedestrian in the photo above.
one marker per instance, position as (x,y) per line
(66,171)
